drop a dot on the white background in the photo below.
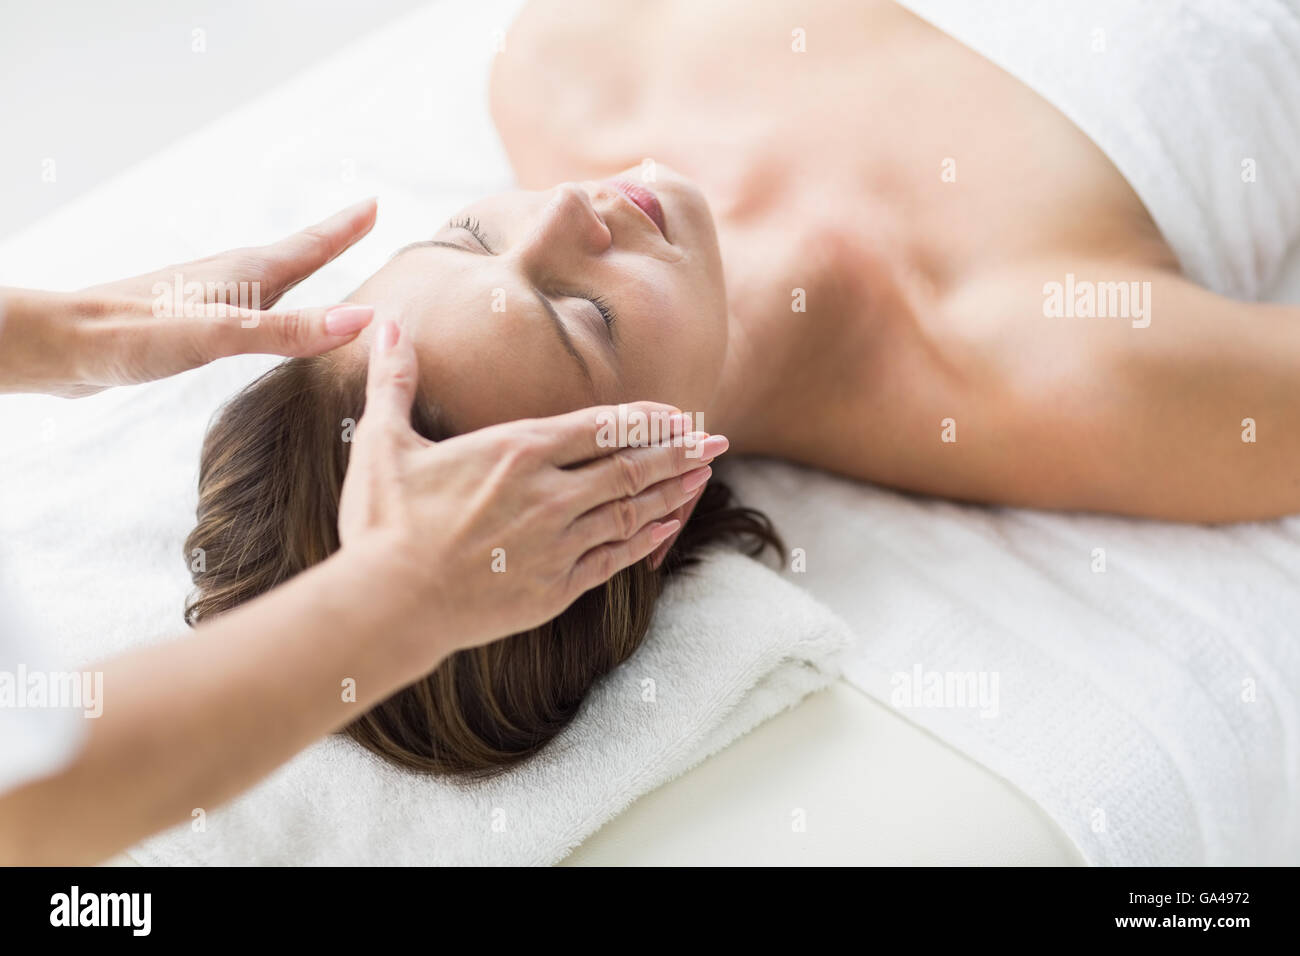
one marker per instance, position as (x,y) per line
(98,86)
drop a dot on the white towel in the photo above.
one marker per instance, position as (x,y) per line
(97,497)
(1147,674)
(1194,101)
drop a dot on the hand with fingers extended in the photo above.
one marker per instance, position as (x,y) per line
(501,529)
(152,326)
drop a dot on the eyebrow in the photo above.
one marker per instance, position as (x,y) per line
(556,322)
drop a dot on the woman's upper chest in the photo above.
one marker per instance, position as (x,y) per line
(793,110)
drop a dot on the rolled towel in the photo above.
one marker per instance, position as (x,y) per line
(731,645)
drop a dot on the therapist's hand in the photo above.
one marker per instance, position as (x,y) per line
(180,317)
(501,529)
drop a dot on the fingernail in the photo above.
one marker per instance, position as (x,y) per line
(696,478)
(386,335)
(691,441)
(660,532)
(713,446)
(346,319)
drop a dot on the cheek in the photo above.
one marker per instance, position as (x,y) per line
(700,324)
(675,339)
(678,356)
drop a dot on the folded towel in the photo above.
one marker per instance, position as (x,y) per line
(730,646)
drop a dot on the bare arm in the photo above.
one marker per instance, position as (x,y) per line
(1149,413)
(140,329)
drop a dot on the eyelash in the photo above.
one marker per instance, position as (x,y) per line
(603,307)
(471,225)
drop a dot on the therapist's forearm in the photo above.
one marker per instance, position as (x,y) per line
(36,336)
(192,723)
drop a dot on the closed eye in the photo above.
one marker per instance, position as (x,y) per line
(471,225)
(606,311)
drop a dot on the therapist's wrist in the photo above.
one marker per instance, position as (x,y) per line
(412,619)
(47,341)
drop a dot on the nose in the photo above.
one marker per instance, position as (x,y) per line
(568,228)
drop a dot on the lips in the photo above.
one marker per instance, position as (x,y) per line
(644,200)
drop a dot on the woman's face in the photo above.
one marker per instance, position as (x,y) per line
(536,303)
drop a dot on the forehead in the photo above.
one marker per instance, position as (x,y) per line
(488,350)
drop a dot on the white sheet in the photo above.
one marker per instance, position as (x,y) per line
(1119,693)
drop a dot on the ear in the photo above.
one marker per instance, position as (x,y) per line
(683,514)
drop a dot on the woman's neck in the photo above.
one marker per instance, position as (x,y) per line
(810,299)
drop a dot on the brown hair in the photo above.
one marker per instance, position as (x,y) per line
(269,480)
